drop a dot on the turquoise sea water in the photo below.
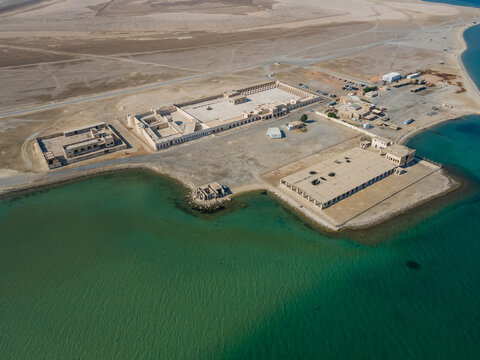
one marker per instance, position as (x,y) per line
(115,267)
(472,3)
(471,58)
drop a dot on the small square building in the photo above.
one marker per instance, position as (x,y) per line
(399,154)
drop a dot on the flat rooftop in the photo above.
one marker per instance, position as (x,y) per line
(340,174)
(274,131)
(56,144)
(398,150)
(222,109)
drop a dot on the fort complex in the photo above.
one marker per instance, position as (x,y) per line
(171,125)
(321,169)
(230,86)
(79,144)
(337,178)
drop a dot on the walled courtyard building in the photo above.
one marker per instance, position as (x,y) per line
(167,126)
(79,144)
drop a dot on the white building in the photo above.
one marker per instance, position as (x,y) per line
(392,77)
(413,76)
(274,133)
(380,143)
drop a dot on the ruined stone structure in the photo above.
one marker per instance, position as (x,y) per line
(210,191)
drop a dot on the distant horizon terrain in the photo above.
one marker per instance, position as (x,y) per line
(11,4)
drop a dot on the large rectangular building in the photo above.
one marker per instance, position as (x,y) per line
(332,180)
(171,125)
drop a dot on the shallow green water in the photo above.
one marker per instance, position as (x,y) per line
(115,268)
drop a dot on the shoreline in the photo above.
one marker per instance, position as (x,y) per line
(454,183)
(16,190)
(460,39)
(475,88)
(472,89)
(314,220)
(79,174)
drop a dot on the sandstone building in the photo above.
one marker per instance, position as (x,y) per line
(167,126)
(79,144)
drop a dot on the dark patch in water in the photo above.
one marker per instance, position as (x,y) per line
(413,265)
(438,133)
(468,128)
(476,199)
(307,225)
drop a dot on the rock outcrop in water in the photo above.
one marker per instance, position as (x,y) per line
(206,207)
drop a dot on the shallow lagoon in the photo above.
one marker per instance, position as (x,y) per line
(116,267)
